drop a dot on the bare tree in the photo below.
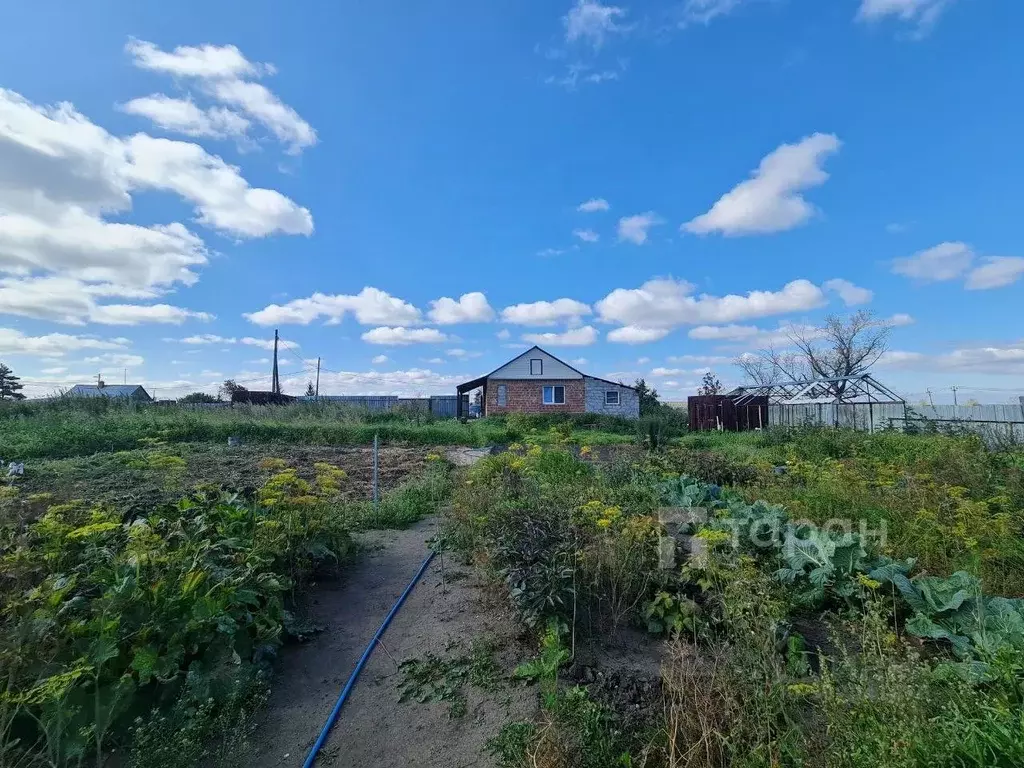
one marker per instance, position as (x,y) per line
(843,346)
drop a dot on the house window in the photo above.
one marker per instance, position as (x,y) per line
(554,395)
(536,367)
(502,395)
(611,397)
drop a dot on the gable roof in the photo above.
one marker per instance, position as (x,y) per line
(108,390)
(473,384)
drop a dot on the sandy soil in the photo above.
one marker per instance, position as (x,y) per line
(374,729)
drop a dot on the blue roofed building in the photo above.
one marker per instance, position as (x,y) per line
(134,392)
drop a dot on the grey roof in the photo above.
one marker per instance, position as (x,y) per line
(468,385)
(109,390)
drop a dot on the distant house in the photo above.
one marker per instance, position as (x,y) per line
(134,392)
(538,382)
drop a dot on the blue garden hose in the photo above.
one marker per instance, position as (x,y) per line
(333,717)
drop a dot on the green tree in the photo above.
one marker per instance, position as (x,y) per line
(230,386)
(648,398)
(710,385)
(199,397)
(310,390)
(10,385)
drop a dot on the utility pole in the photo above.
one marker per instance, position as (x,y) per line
(125,375)
(317,395)
(930,400)
(954,396)
(275,382)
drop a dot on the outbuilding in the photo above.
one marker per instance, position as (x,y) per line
(538,382)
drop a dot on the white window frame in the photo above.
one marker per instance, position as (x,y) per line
(608,394)
(540,365)
(554,399)
(502,396)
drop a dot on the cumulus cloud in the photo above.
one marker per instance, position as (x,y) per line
(752,337)
(635,334)
(593,205)
(995,272)
(900,319)
(851,294)
(955,260)
(117,359)
(586,235)
(592,22)
(771,200)
(945,261)
(380,359)
(665,303)
(371,306)
(634,229)
(998,360)
(545,312)
(503,334)
(400,336)
(69,301)
(923,13)
(62,177)
(207,338)
(470,308)
(462,354)
(183,116)
(705,11)
(226,76)
(574,337)
(14,342)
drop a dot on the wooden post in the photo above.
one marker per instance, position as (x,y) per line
(275,382)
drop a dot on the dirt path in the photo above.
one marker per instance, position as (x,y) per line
(374,729)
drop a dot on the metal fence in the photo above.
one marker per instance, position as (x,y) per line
(991,421)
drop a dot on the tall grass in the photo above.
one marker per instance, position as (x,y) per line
(60,432)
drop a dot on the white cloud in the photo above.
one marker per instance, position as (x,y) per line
(851,294)
(267,344)
(380,359)
(634,228)
(770,201)
(226,76)
(590,21)
(53,371)
(643,361)
(61,176)
(705,11)
(207,338)
(581,361)
(751,336)
(545,312)
(65,300)
(593,205)
(503,334)
(413,382)
(900,319)
(953,260)
(1005,360)
(586,235)
(635,334)
(401,336)
(136,314)
(436,361)
(470,308)
(677,372)
(183,116)
(574,337)
(996,272)
(119,360)
(704,360)
(14,342)
(922,12)
(723,332)
(946,261)
(665,303)
(462,354)
(371,306)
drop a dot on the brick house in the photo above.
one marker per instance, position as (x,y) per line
(538,382)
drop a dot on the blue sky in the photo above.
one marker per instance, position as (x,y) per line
(414,191)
